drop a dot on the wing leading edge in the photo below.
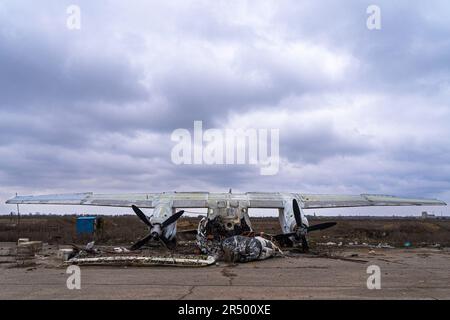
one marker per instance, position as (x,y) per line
(313,201)
(206,199)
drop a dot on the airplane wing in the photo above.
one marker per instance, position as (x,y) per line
(143,200)
(313,201)
(206,199)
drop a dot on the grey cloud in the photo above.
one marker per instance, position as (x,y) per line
(322,142)
(93,110)
(54,74)
(411,46)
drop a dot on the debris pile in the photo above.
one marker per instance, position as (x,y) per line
(26,252)
(65,254)
(120,256)
(7,255)
(197,261)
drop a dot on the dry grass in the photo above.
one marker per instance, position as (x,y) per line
(123,230)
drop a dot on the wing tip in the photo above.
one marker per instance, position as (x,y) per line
(12,200)
(37,199)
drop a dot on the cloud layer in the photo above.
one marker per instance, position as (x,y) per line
(93,109)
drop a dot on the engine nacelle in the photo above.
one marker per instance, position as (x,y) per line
(286,216)
(162,211)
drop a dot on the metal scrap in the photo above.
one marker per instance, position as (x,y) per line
(245,249)
(145,261)
(26,252)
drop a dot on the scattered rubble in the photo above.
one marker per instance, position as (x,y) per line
(385,246)
(26,252)
(356,244)
(65,254)
(7,255)
(31,254)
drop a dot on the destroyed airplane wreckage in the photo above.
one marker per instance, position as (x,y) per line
(226,232)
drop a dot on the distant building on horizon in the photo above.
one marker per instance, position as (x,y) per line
(426,215)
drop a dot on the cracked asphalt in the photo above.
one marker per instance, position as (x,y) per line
(405,274)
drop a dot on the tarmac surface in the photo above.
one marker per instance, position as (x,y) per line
(422,273)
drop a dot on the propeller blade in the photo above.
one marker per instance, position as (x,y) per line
(188,231)
(141,215)
(321,226)
(163,241)
(297,213)
(141,242)
(305,245)
(284,235)
(166,243)
(172,219)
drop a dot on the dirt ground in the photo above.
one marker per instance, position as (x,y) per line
(421,273)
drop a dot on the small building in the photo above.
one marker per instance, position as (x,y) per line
(426,215)
(86,225)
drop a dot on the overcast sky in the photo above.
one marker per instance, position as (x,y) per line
(359,110)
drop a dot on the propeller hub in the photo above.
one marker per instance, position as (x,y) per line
(156,231)
(300,231)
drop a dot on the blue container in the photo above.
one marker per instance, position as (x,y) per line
(86,225)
